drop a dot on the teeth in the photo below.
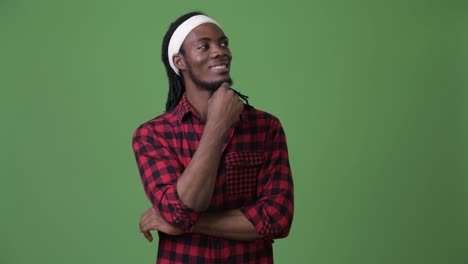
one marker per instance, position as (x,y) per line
(219,67)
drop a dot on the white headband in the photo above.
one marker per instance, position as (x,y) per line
(181,33)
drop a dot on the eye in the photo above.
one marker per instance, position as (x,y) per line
(203,47)
(225,43)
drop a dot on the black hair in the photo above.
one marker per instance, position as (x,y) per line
(176,82)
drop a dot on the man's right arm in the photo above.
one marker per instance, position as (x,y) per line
(196,184)
(179,194)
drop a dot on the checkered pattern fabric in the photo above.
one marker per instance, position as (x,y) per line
(254,175)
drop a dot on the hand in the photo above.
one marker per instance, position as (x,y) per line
(224,108)
(151,220)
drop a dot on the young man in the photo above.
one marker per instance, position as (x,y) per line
(216,170)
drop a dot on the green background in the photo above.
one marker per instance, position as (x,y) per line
(372,95)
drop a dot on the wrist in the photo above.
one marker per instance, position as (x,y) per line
(203,223)
(216,130)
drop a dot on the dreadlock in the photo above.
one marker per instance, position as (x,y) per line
(176,82)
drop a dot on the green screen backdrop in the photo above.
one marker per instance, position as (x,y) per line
(372,95)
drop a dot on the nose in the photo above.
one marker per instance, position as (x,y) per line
(220,51)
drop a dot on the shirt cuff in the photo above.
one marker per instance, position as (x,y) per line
(254,215)
(183,217)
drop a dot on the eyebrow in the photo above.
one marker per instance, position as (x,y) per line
(223,37)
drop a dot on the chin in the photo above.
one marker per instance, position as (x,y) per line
(227,79)
(214,85)
(219,78)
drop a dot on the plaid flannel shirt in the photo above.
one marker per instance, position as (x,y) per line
(254,175)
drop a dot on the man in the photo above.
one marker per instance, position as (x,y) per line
(216,170)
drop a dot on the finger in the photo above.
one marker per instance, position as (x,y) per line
(150,224)
(148,236)
(224,87)
(145,225)
(226,84)
(141,225)
(147,214)
(143,217)
(148,211)
(144,228)
(231,92)
(142,221)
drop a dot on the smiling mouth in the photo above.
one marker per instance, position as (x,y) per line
(220,68)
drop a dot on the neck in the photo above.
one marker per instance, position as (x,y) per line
(198,98)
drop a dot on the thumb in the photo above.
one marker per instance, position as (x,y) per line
(148,236)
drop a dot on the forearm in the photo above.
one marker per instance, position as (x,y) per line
(231,224)
(178,194)
(196,184)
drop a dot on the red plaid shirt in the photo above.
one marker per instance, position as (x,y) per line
(254,176)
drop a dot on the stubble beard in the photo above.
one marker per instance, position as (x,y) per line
(210,86)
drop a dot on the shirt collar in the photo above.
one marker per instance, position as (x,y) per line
(184,108)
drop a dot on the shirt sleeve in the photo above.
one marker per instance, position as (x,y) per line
(272,213)
(159,170)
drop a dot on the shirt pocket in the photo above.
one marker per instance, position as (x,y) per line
(242,170)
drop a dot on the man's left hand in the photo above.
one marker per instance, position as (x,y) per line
(151,220)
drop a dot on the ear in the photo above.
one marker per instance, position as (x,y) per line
(179,62)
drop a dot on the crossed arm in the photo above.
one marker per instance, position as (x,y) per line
(230,224)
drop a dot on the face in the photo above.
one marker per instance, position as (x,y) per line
(207,57)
